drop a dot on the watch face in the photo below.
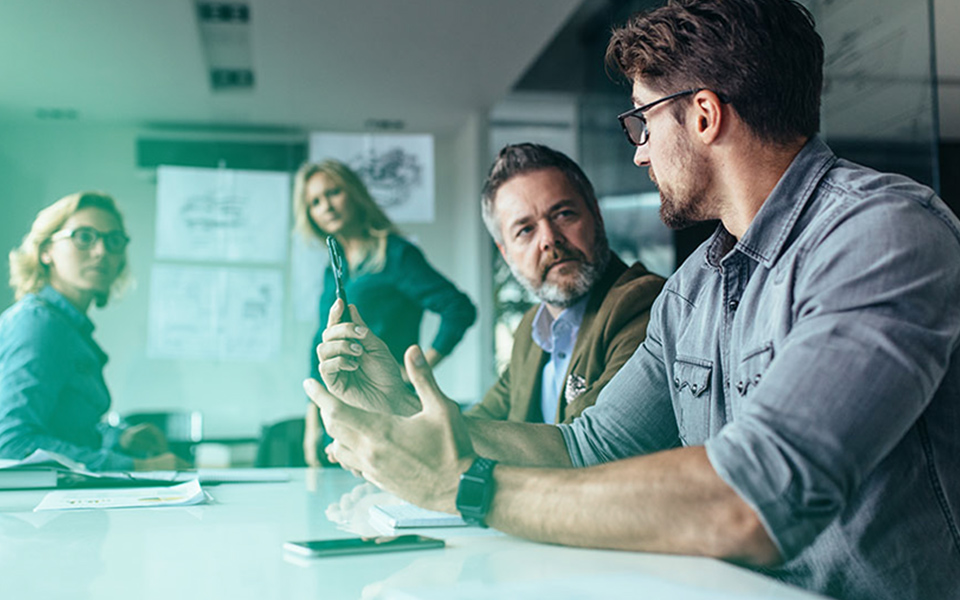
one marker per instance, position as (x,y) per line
(475,491)
(471,493)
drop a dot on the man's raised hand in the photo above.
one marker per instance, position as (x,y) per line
(419,458)
(357,367)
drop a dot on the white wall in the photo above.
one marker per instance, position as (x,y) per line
(459,247)
(43,161)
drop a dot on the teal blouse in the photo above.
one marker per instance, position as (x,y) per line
(52,393)
(392,302)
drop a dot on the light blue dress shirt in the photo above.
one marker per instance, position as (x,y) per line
(818,361)
(52,392)
(556,337)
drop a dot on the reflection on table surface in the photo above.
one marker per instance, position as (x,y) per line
(232,548)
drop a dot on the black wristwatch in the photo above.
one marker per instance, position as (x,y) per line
(476,491)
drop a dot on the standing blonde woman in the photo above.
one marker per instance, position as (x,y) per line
(52,393)
(389,281)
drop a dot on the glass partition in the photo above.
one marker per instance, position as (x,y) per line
(879,109)
(879,98)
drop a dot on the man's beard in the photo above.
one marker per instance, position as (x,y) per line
(688,205)
(587,275)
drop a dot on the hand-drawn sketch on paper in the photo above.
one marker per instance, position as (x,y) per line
(217,313)
(222,215)
(396,168)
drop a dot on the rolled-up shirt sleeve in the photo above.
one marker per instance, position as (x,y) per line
(633,414)
(875,326)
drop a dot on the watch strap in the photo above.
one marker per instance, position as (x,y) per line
(475,491)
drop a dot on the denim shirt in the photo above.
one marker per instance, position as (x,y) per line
(52,393)
(818,360)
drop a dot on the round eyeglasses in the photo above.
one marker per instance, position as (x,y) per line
(84,238)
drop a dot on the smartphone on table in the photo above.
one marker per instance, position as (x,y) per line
(370,545)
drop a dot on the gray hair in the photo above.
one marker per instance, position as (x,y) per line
(518,159)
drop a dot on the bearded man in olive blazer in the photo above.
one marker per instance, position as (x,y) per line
(543,214)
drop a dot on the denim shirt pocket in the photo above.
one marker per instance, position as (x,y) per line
(752,367)
(691,380)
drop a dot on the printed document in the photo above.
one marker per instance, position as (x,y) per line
(184,494)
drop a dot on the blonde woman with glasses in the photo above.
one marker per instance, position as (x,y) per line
(52,393)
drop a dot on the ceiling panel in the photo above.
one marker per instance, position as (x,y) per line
(328,64)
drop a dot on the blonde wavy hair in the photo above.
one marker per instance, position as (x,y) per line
(28,274)
(374,224)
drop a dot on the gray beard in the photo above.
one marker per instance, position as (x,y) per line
(587,276)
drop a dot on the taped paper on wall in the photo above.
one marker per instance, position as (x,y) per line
(219,313)
(396,168)
(222,215)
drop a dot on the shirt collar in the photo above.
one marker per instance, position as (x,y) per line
(770,228)
(544,324)
(63,306)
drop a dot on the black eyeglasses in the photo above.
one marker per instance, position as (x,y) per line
(634,124)
(85,237)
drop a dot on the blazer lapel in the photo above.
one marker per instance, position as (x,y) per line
(586,337)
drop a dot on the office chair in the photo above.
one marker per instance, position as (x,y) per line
(281,444)
(183,429)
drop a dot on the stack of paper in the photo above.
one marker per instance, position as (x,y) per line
(212,476)
(44,469)
(49,469)
(39,470)
(21,478)
(399,516)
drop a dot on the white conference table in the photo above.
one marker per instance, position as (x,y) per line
(232,548)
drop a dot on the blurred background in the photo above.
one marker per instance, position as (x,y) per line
(104,94)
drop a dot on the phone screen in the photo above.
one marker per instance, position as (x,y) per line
(370,545)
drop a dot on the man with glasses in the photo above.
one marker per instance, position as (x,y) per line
(806,358)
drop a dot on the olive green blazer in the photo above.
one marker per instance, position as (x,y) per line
(614,324)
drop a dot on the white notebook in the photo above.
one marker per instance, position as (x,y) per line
(398,516)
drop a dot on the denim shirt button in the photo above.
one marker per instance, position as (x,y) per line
(740,387)
(756,379)
(733,305)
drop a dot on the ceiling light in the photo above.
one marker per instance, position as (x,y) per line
(225,37)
